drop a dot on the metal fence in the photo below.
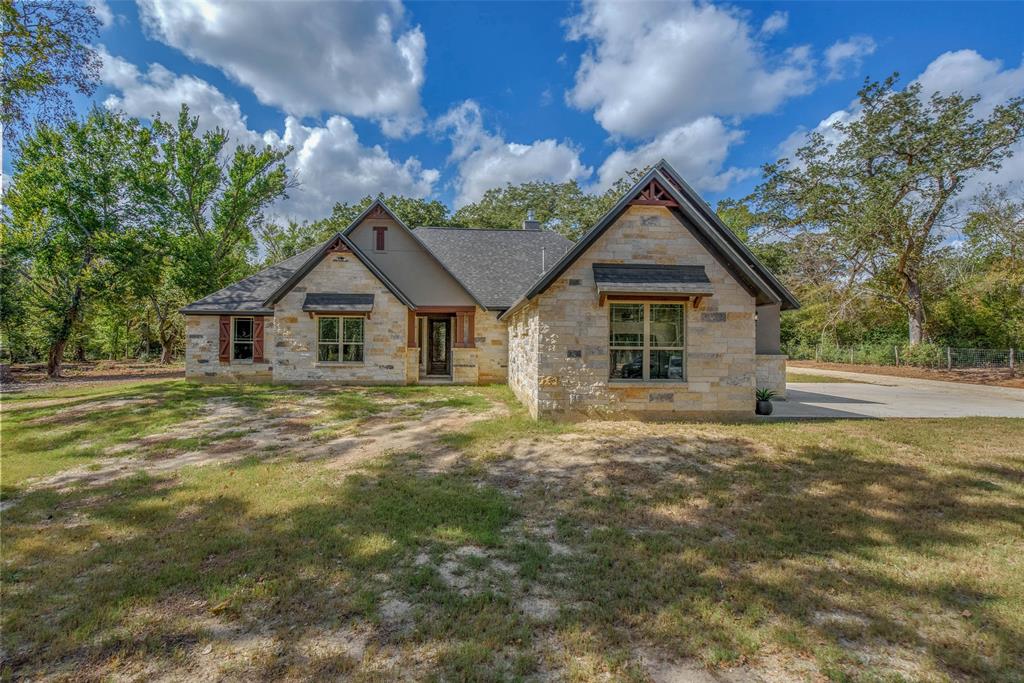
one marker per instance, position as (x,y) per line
(922,355)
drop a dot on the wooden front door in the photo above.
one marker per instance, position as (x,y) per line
(439,335)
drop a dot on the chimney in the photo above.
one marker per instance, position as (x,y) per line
(531,223)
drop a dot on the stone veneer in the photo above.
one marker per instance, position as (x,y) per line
(202,349)
(384,335)
(523,355)
(771,373)
(720,368)
(491,339)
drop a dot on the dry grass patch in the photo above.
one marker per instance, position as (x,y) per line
(439,533)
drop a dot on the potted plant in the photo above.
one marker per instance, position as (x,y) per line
(764,401)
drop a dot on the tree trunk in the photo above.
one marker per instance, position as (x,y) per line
(165,352)
(55,356)
(915,312)
(80,353)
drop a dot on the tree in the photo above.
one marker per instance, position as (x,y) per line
(995,228)
(561,207)
(879,200)
(76,189)
(212,203)
(412,211)
(46,52)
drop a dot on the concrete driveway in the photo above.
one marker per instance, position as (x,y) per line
(876,396)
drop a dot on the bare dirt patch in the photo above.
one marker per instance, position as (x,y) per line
(993,377)
(31,377)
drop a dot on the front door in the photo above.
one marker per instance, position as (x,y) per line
(438,362)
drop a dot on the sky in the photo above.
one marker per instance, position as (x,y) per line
(445,100)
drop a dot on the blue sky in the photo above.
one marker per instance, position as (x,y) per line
(446,99)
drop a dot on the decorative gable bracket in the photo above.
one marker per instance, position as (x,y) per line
(653,194)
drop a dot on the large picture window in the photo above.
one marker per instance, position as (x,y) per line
(647,341)
(340,339)
(241,338)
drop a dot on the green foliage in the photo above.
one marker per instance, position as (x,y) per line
(764,394)
(561,207)
(212,210)
(46,51)
(77,191)
(870,211)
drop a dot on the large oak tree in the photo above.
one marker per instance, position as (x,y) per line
(878,202)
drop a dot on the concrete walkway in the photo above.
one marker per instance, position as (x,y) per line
(878,396)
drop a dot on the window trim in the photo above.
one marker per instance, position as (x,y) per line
(646,347)
(380,233)
(250,342)
(341,343)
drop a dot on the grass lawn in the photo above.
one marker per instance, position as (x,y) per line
(818,379)
(259,533)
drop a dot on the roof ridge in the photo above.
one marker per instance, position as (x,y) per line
(542,231)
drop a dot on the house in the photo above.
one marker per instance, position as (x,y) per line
(658,310)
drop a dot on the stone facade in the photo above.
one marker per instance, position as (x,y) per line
(571,330)
(202,349)
(524,356)
(385,332)
(491,339)
(771,373)
(553,351)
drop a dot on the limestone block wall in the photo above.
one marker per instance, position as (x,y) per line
(465,366)
(573,329)
(202,350)
(771,373)
(523,355)
(385,332)
(412,365)
(491,339)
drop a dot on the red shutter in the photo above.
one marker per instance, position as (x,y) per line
(257,337)
(225,338)
(380,232)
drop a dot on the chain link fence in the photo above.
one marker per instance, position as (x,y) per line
(921,356)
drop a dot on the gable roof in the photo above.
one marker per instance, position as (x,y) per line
(257,294)
(374,209)
(304,269)
(709,228)
(495,266)
(250,294)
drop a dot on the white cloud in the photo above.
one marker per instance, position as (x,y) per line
(777,21)
(651,67)
(697,150)
(845,56)
(306,57)
(102,11)
(967,72)
(159,91)
(963,71)
(485,160)
(329,161)
(332,165)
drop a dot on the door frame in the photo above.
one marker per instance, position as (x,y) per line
(447,320)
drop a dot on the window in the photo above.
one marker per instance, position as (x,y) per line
(646,342)
(241,338)
(340,339)
(379,232)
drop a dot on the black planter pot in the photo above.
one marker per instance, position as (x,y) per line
(764,408)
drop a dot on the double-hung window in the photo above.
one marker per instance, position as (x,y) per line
(340,339)
(241,338)
(646,341)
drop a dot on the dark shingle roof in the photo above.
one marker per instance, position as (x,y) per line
(496,266)
(649,277)
(647,273)
(331,301)
(249,295)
